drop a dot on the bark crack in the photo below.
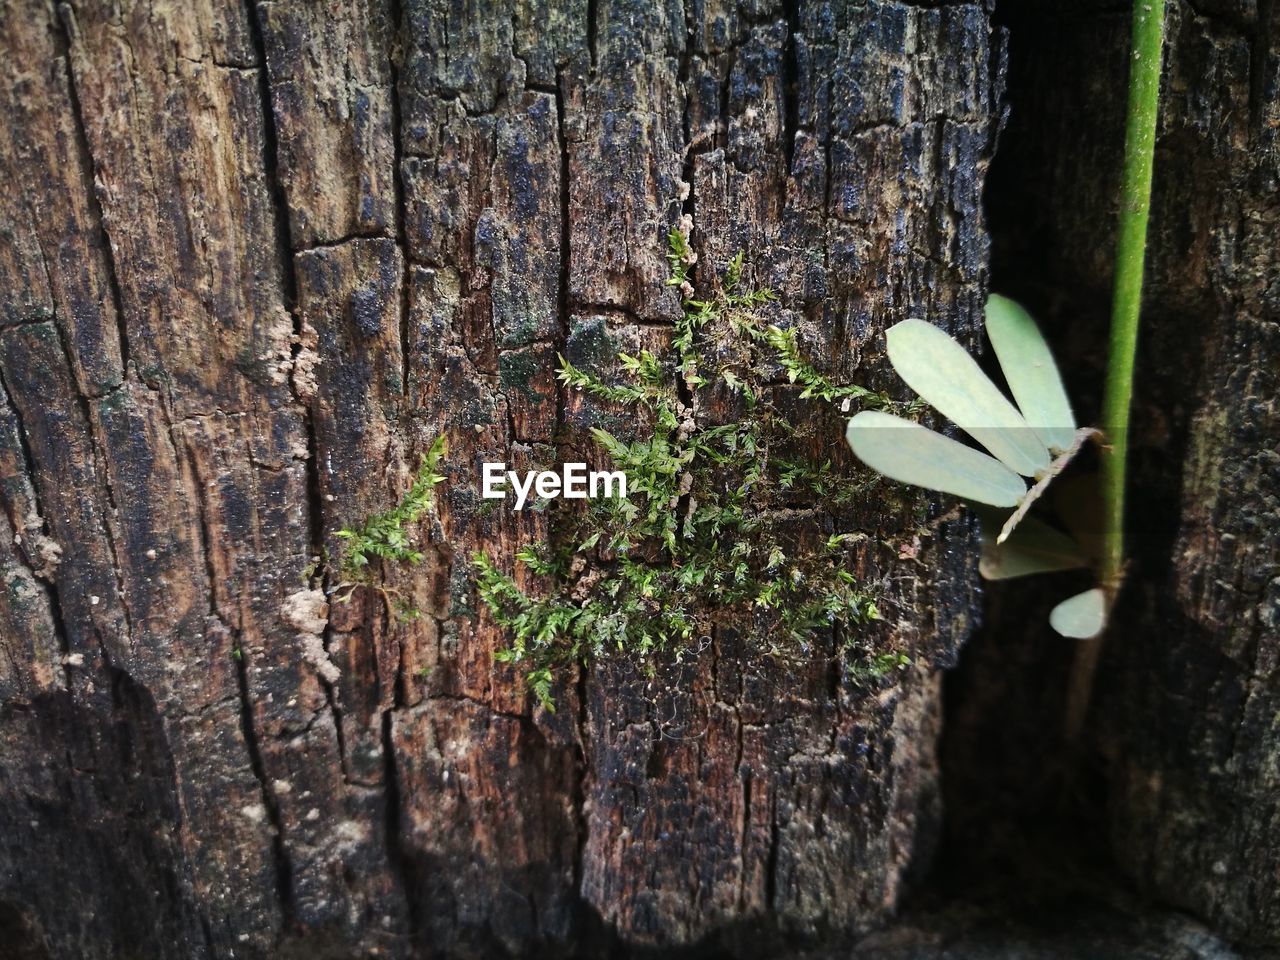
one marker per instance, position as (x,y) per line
(593,20)
(401,860)
(97,449)
(87,166)
(397,180)
(1259,54)
(280,855)
(583,773)
(284,870)
(790,88)
(288,290)
(771,862)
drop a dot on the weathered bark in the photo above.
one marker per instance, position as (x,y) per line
(1191,728)
(1184,723)
(255,259)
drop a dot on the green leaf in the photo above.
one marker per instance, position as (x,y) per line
(1060,463)
(1029,370)
(910,453)
(1081,617)
(945,376)
(1034,547)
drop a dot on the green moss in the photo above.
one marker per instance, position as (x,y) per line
(694,542)
(877,666)
(387,536)
(591,345)
(515,371)
(521,335)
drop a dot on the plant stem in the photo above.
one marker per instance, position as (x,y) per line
(1131,246)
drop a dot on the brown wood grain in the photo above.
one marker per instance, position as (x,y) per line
(260,256)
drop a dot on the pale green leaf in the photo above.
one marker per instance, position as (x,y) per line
(910,453)
(1060,463)
(1081,617)
(1029,370)
(1034,547)
(946,377)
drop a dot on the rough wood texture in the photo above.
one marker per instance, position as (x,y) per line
(255,257)
(1187,693)
(1196,813)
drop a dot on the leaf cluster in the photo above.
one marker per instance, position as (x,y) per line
(1034,437)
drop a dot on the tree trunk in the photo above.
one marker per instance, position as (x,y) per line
(255,260)
(1190,713)
(1185,782)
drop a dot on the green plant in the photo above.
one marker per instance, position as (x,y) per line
(1131,248)
(387,536)
(692,543)
(1037,438)
(877,666)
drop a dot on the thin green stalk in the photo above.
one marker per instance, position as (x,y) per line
(1131,246)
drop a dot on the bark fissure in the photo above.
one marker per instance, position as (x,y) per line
(270,164)
(790,89)
(97,448)
(398,27)
(84,155)
(402,861)
(1260,53)
(248,726)
(285,254)
(593,26)
(279,851)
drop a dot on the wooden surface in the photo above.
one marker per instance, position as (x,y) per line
(256,257)
(1183,746)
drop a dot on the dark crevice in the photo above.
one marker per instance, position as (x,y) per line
(98,452)
(334,703)
(729,59)
(790,85)
(583,770)
(745,835)
(86,165)
(771,863)
(1024,825)
(289,294)
(284,869)
(288,275)
(402,861)
(688,204)
(270,163)
(686,123)
(396,60)
(403,865)
(565,307)
(593,15)
(582,765)
(1259,57)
